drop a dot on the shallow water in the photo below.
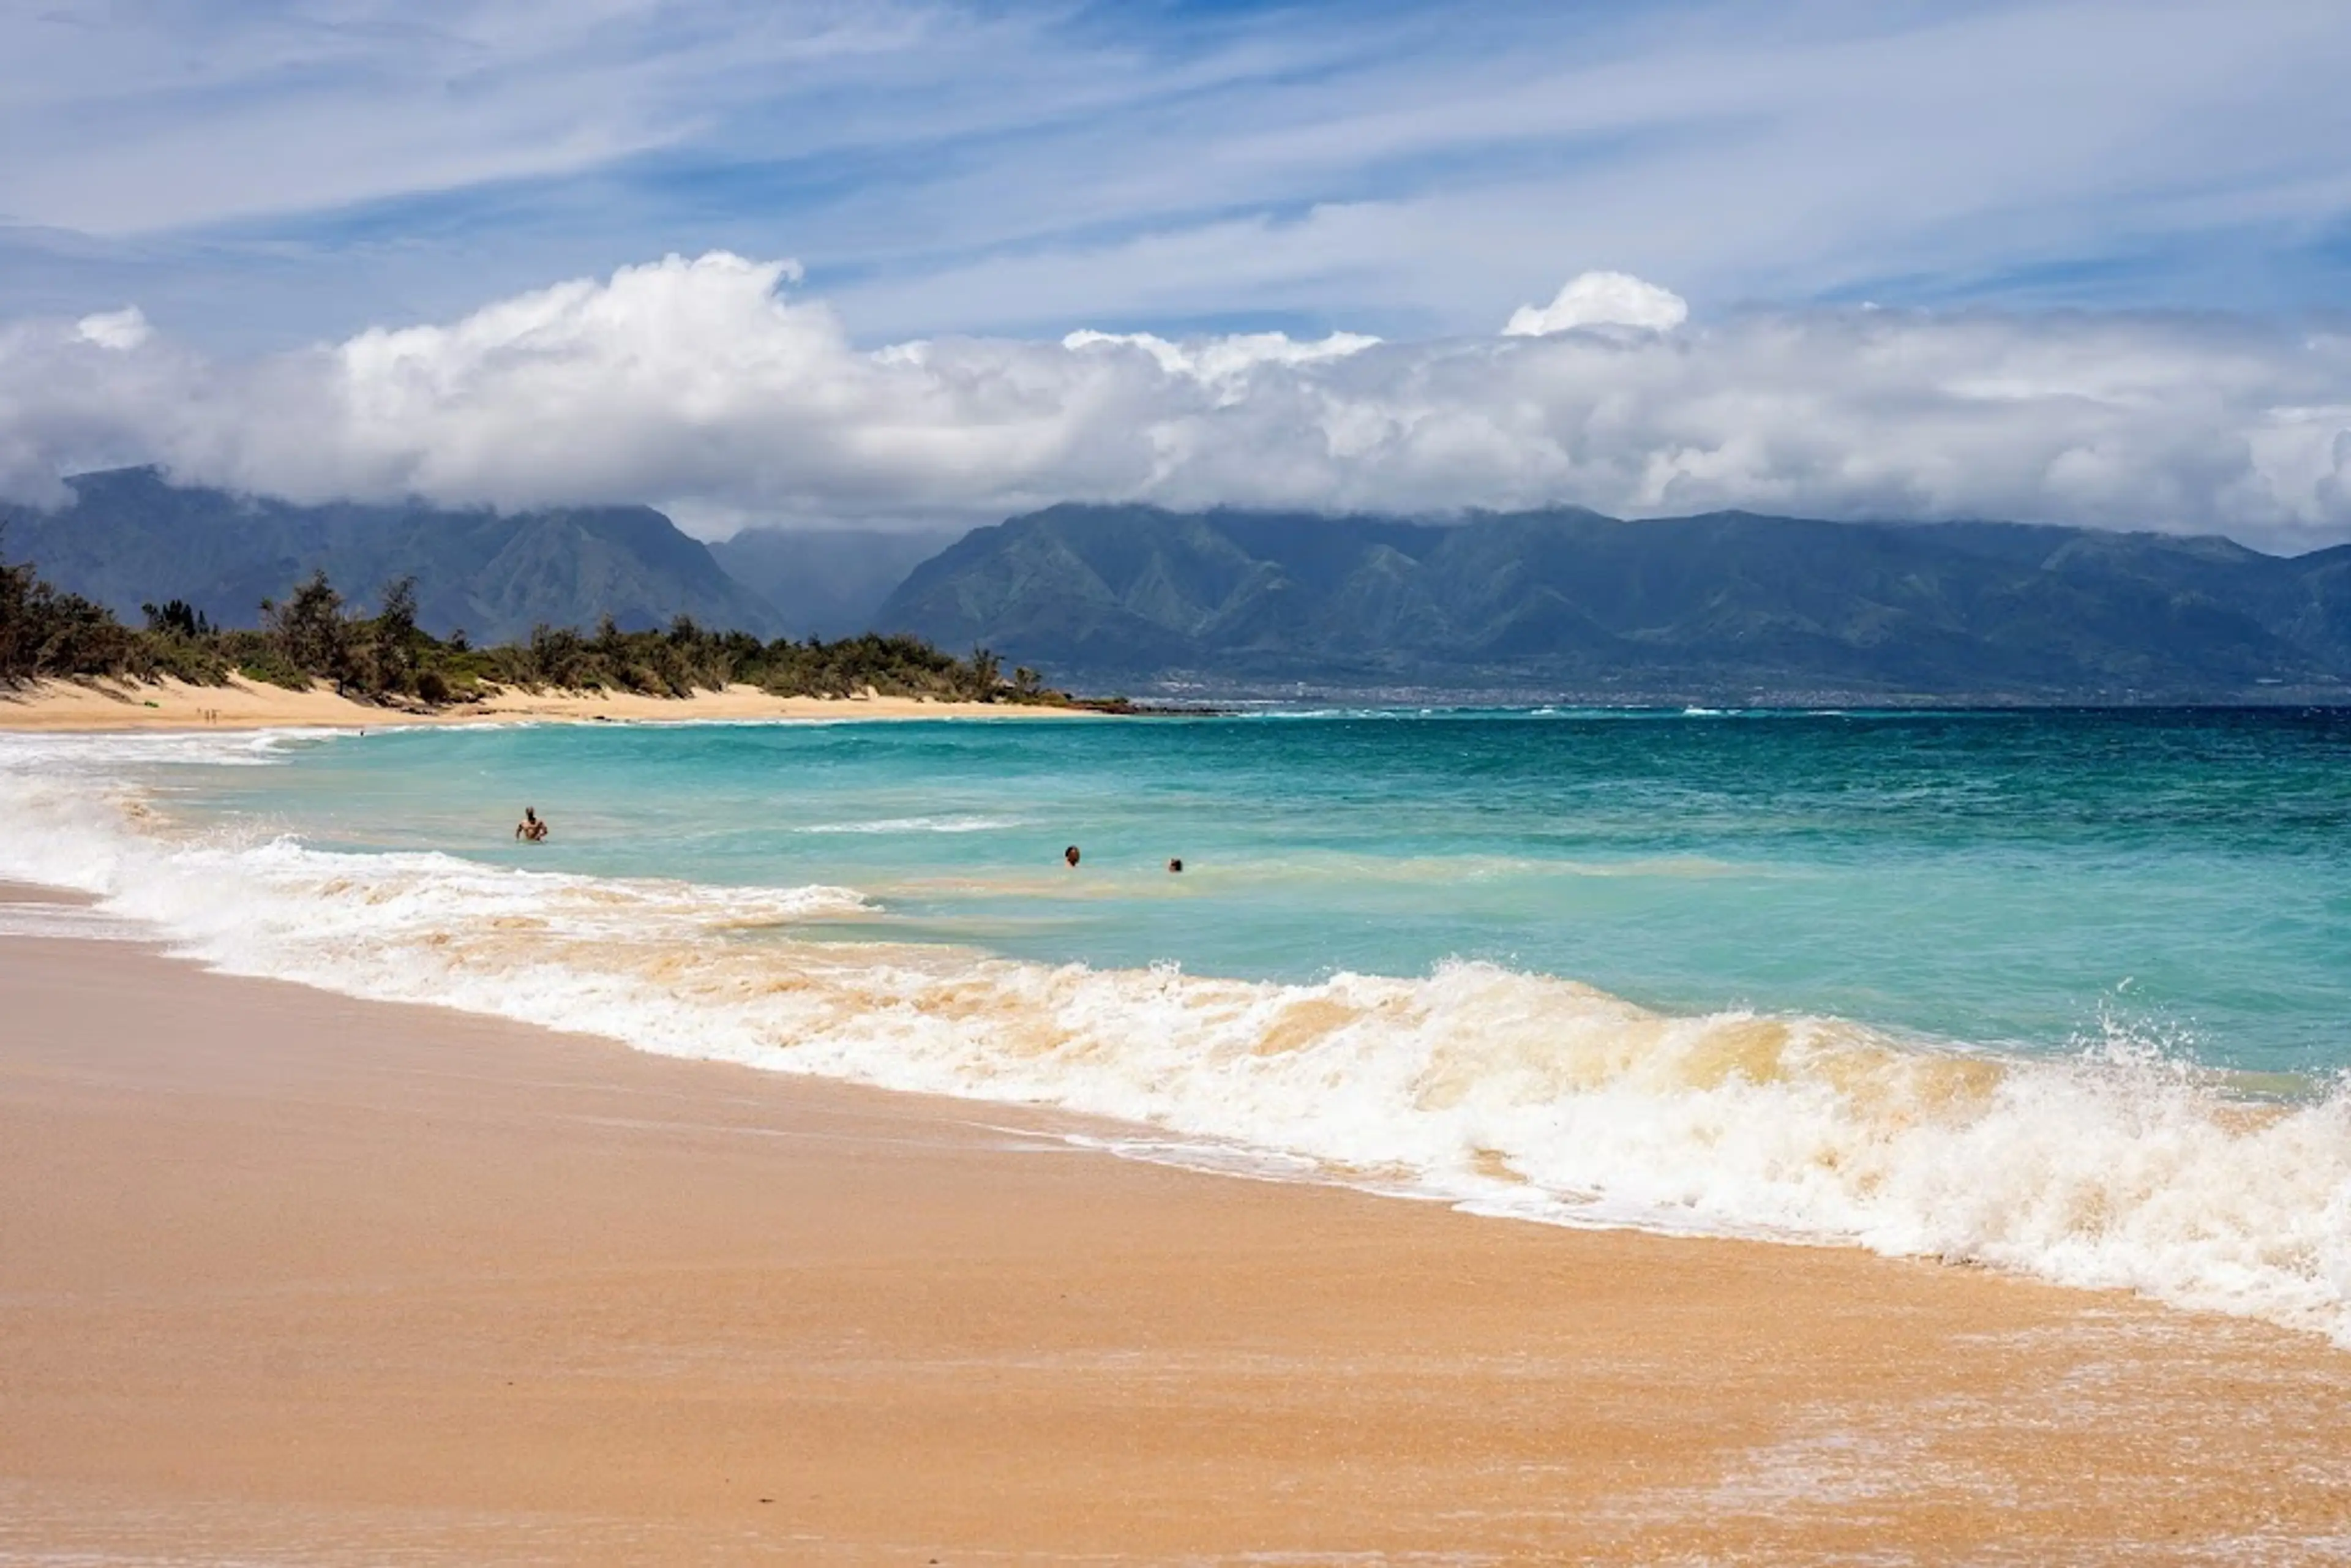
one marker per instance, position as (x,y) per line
(2061,992)
(2027,880)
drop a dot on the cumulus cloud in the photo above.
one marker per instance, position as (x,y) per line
(1601,299)
(713,386)
(1225,362)
(123,330)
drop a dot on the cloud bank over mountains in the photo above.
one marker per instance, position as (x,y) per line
(710,387)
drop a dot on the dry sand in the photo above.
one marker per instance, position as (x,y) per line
(247,704)
(285,1278)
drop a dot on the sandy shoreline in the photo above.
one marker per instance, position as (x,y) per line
(91,705)
(286,1277)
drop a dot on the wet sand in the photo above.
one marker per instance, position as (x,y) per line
(285,1278)
(84,705)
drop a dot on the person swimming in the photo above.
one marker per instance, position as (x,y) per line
(1070,856)
(531,830)
(1176,864)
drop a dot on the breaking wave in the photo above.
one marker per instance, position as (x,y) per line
(1506,1093)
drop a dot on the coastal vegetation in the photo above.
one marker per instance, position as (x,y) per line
(128,532)
(314,634)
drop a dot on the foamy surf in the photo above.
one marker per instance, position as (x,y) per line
(1501,1091)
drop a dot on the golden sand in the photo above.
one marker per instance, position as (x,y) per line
(63,705)
(287,1277)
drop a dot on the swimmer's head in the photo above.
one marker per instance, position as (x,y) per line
(1070,855)
(1176,864)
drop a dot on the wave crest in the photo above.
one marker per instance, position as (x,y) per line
(1503,1092)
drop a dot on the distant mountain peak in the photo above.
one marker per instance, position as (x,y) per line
(1566,599)
(132,535)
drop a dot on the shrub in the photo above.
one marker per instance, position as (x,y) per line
(311,635)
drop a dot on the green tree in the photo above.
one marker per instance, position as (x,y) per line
(176,618)
(392,639)
(45,632)
(311,632)
(987,675)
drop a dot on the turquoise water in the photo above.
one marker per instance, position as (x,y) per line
(2063,994)
(2025,881)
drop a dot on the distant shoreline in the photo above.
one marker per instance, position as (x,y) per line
(96,705)
(1247,700)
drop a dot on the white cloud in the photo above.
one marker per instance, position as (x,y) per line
(1029,166)
(197,111)
(1225,362)
(708,385)
(1601,299)
(123,330)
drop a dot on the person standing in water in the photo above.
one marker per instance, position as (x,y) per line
(1070,857)
(531,830)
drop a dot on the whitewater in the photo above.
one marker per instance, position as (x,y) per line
(1877,1003)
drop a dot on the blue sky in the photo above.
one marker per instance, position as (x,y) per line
(921,261)
(265,172)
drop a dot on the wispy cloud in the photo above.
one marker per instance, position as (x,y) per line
(715,387)
(307,201)
(183,114)
(944,166)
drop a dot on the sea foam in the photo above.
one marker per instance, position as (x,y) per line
(1502,1091)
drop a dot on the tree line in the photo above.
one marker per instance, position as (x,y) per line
(313,635)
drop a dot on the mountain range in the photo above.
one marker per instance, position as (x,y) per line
(825,582)
(131,537)
(1569,602)
(1554,603)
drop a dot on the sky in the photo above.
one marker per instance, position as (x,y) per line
(888,263)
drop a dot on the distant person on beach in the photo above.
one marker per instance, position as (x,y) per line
(531,830)
(1071,855)
(1176,864)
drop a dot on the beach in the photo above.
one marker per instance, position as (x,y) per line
(1730,945)
(287,1277)
(89,705)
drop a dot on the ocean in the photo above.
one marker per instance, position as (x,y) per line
(2063,994)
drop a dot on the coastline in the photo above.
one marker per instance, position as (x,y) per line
(97,706)
(290,1277)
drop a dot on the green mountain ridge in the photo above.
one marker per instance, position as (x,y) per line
(1566,599)
(1560,602)
(131,536)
